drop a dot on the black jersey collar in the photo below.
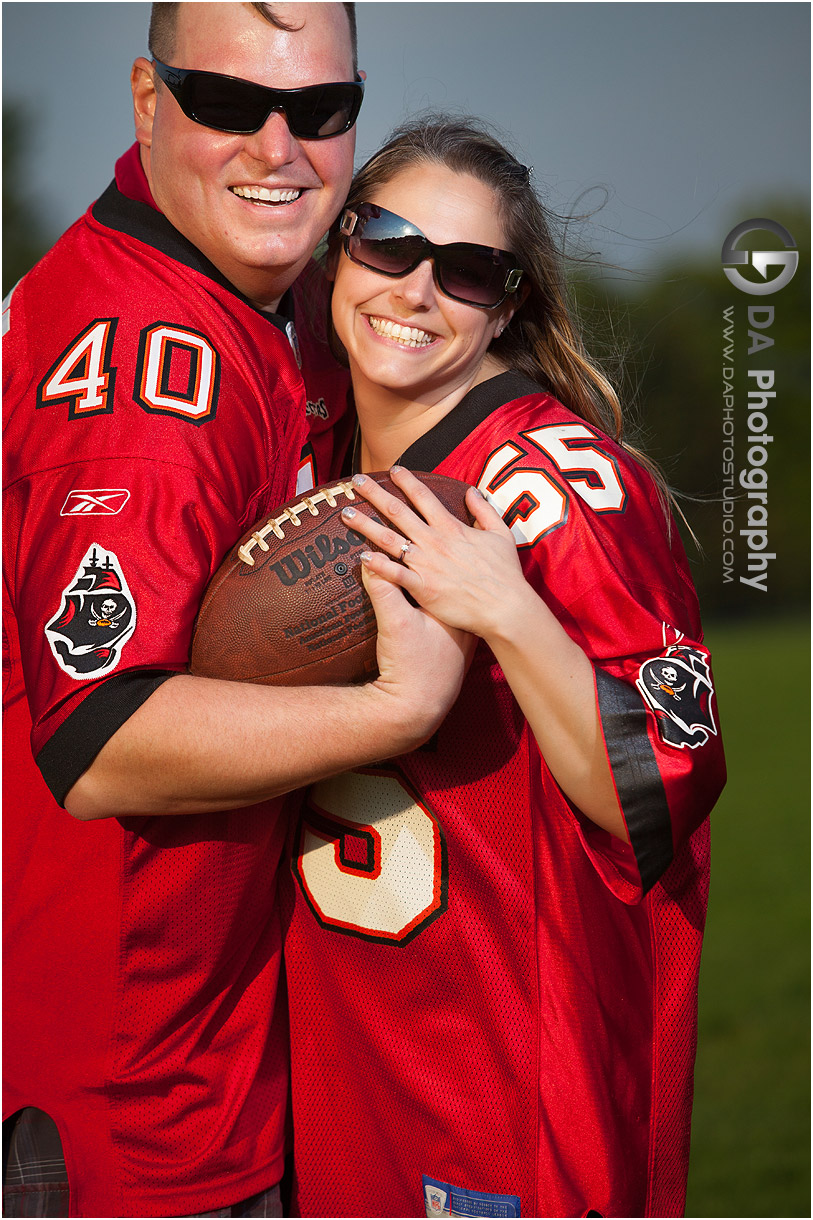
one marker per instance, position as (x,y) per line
(429,450)
(117,211)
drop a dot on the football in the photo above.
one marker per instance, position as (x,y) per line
(287,606)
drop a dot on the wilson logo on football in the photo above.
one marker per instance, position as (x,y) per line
(103,502)
(297,565)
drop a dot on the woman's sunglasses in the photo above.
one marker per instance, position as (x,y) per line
(383,242)
(228,103)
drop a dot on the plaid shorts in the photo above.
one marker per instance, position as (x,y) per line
(36,1181)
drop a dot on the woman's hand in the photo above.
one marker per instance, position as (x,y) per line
(469,578)
(472,579)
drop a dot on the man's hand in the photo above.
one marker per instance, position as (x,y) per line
(421,662)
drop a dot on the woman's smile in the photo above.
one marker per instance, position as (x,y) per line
(400,332)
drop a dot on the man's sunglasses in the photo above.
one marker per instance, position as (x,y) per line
(383,242)
(229,103)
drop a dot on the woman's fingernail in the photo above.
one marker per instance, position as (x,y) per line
(348,512)
(366,556)
(396,469)
(358,479)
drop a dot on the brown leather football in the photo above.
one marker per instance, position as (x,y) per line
(287,606)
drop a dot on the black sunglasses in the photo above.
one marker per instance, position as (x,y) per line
(386,243)
(229,103)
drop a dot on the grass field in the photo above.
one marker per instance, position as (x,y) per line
(751,1129)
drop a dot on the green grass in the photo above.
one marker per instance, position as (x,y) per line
(751,1128)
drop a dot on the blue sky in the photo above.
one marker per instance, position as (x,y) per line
(681,115)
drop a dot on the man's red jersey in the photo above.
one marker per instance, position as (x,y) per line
(151,415)
(493,1001)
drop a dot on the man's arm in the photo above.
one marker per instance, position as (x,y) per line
(199,745)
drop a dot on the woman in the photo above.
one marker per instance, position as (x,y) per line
(494,943)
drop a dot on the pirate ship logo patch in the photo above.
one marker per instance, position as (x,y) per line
(677,687)
(96,618)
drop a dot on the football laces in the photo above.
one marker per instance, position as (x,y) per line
(291,516)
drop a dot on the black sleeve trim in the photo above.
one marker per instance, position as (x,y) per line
(429,450)
(637,778)
(77,741)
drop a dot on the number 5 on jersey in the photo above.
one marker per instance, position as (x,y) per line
(530,501)
(371,858)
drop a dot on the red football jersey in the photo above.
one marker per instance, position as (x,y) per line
(492,1000)
(151,415)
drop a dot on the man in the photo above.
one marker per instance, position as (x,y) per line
(154,409)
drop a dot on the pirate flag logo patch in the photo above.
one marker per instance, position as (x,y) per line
(677,687)
(96,618)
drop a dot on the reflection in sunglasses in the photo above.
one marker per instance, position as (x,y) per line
(381,241)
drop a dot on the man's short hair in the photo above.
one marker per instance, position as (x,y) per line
(164,21)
